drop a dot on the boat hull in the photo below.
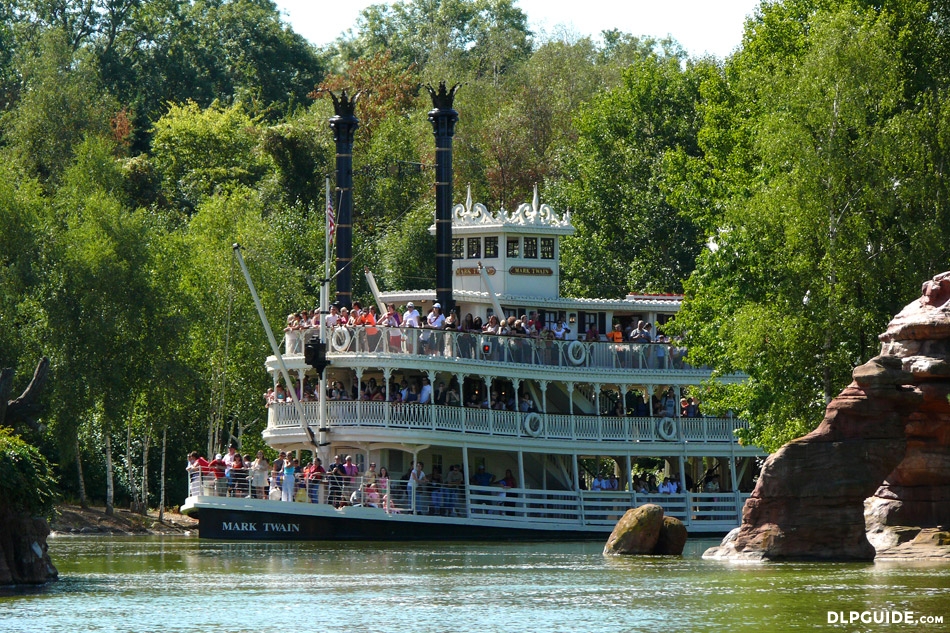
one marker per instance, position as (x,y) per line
(324,523)
(239,520)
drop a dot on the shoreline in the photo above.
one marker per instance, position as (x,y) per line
(74,520)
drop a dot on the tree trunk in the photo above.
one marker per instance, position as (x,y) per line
(110,484)
(133,497)
(146,443)
(82,482)
(161,497)
(211,435)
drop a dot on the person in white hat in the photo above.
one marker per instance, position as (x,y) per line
(410,317)
(435,320)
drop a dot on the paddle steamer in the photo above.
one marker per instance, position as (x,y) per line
(553,410)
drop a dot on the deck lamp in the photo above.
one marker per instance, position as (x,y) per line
(315,355)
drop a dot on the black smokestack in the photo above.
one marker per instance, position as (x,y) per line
(443,118)
(344,126)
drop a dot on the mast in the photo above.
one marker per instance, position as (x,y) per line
(298,408)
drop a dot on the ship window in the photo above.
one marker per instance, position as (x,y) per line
(491,247)
(458,248)
(514,249)
(474,247)
(547,248)
(531,248)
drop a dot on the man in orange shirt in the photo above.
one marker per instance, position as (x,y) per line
(615,335)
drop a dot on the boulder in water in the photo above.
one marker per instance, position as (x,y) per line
(645,530)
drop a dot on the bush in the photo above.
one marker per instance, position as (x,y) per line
(27,483)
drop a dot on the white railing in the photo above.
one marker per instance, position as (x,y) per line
(368,413)
(493,348)
(495,502)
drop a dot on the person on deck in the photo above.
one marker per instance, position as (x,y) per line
(352,476)
(392,321)
(425,394)
(332,319)
(598,484)
(218,469)
(435,320)
(259,469)
(454,480)
(287,485)
(410,318)
(416,479)
(612,484)
(482,478)
(197,467)
(615,335)
(314,476)
(237,478)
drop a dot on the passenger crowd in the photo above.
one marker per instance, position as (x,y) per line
(343,483)
(531,325)
(421,391)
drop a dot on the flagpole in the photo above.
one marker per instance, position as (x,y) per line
(324,310)
(328,237)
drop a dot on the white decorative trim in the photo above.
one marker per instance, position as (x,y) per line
(535,216)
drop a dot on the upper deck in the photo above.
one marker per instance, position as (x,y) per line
(491,354)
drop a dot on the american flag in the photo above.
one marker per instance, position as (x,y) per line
(331,221)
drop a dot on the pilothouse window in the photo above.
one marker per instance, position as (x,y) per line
(547,248)
(457,248)
(531,248)
(491,247)
(474,247)
(514,245)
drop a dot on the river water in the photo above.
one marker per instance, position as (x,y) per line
(171,584)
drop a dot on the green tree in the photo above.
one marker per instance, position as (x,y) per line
(21,251)
(60,104)
(225,340)
(100,286)
(485,36)
(824,233)
(628,234)
(198,151)
(407,254)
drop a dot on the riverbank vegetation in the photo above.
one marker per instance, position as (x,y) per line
(795,191)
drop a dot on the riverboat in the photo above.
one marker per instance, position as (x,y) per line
(548,434)
(548,410)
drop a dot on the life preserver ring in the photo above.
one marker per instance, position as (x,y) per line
(576,353)
(666,428)
(340,339)
(533,424)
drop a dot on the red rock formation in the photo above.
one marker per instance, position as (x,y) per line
(917,491)
(884,439)
(24,556)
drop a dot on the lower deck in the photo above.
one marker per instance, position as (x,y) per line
(370,508)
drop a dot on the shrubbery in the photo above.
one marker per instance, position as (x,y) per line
(27,482)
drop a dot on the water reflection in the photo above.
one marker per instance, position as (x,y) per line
(169,584)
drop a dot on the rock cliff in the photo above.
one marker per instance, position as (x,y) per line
(884,442)
(24,556)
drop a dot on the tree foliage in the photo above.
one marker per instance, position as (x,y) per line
(827,231)
(628,234)
(27,482)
